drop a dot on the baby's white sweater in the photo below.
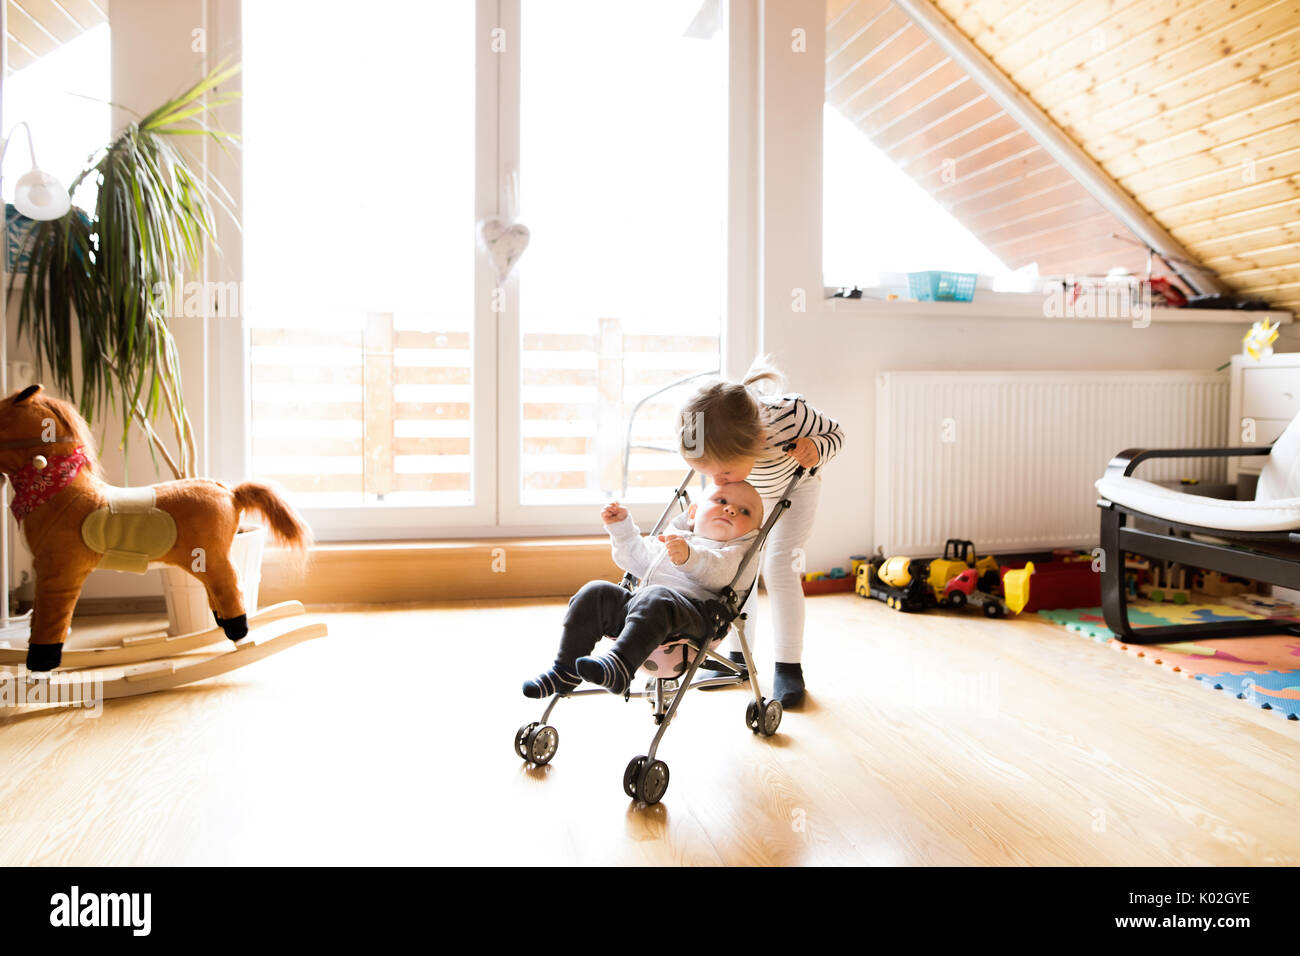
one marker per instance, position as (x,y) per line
(712,565)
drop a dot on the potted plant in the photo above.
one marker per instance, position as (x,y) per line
(105,280)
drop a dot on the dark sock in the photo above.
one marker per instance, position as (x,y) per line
(555,681)
(788,684)
(735,657)
(609,671)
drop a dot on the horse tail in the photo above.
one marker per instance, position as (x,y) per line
(287,527)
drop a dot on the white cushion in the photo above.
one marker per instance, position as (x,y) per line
(1280,476)
(1161,502)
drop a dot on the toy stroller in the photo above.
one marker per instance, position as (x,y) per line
(671,668)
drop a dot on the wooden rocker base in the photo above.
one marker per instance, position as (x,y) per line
(149,647)
(111,683)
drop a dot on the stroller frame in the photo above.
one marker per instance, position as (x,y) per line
(646,778)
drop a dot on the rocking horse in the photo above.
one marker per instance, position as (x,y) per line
(75,522)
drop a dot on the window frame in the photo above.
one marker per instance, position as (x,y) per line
(498,510)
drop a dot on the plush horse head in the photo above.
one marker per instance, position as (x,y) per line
(75,522)
(35,423)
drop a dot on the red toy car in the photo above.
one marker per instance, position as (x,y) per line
(964,589)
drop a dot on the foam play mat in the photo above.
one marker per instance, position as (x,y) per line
(1263,671)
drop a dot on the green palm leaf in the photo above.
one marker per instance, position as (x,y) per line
(106,280)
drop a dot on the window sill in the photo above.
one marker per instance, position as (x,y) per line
(1023,305)
(379,572)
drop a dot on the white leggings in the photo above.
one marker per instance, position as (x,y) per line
(783,581)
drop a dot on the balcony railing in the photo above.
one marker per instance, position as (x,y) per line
(381,411)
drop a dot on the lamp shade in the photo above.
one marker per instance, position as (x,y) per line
(39,195)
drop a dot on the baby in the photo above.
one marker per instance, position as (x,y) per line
(682,569)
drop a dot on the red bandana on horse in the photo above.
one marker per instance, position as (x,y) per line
(34,486)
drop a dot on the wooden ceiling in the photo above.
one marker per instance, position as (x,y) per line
(1193,106)
(37,27)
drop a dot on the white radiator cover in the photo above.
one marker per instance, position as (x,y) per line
(1008,459)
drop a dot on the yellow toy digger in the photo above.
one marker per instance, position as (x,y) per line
(958,556)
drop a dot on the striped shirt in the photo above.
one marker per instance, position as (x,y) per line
(787,417)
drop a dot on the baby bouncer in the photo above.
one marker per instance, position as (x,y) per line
(671,669)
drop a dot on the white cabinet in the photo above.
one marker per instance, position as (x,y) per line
(1265,397)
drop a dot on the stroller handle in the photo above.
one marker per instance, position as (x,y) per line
(788,447)
(746,578)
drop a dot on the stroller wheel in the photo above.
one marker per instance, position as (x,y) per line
(772,712)
(751,716)
(770,717)
(652,782)
(542,744)
(632,774)
(521,739)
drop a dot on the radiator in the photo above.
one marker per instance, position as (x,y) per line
(1008,459)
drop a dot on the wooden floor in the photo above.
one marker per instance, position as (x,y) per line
(934,739)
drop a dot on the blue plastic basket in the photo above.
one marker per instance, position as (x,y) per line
(942,286)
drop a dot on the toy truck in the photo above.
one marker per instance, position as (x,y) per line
(964,589)
(958,557)
(899,581)
(909,584)
(1051,585)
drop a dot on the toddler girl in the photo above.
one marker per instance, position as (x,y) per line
(731,431)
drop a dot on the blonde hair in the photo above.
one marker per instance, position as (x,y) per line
(720,422)
(762,370)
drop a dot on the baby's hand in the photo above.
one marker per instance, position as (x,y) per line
(804,452)
(678,549)
(613,513)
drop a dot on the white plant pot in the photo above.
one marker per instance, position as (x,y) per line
(187,599)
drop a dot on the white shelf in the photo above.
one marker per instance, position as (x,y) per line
(1030,305)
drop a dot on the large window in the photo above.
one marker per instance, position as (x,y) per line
(913,155)
(879,223)
(358,249)
(623,120)
(397,383)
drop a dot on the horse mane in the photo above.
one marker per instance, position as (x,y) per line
(66,415)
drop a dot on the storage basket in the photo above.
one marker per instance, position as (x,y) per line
(942,286)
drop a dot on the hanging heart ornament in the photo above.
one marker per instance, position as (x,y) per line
(503,243)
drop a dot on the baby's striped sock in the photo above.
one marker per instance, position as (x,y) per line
(609,671)
(557,680)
